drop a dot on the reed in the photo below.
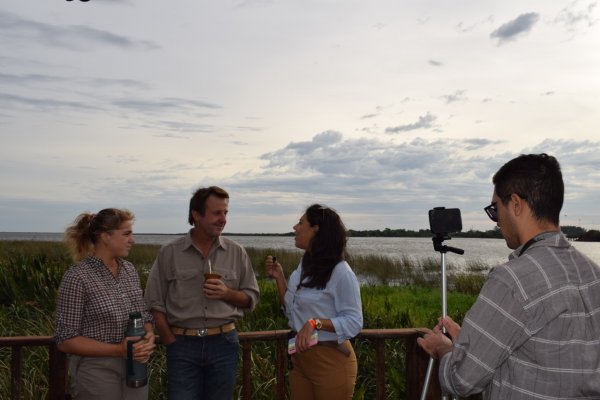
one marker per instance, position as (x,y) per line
(397,293)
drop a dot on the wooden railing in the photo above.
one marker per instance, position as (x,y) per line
(57,371)
(416,362)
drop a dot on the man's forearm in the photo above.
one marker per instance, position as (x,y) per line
(238,298)
(162,325)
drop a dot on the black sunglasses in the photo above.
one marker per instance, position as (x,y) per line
(492,211)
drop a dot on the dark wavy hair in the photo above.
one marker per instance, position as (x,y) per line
(327,247)
(537,179)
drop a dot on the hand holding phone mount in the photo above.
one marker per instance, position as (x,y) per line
(442,222)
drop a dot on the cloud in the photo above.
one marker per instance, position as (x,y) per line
(417,166)
(368,116)
(91,93)
(43,104)
(128,83)
(26,79)
(512,29)
(458,95)
(320,141)
(74,37)
(254,3)
(250,128)
(164,104)
(435,63)
(364,161)
(373,129)
(374,183)
(572,17)
(396,183)
(35,80)
(478,144)
(425,122)
(179,126)
(462,28)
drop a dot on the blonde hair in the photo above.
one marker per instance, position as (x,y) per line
(82,235)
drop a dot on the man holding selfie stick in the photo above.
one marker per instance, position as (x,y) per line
(534,329)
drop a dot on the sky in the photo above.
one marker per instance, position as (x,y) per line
(381,110)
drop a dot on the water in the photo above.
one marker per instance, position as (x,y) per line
(488,251)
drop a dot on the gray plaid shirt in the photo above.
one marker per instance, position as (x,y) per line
(95,304)
(534,331)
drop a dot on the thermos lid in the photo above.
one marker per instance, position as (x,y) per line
(135,315)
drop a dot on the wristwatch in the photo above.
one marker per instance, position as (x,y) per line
(318,324)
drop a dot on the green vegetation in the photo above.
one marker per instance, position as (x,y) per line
(572,232)
(387,232)
(590,236)
(399,293)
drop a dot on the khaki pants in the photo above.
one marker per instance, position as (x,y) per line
(101,378)
(323,373)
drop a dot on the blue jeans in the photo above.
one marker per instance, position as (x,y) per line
(202,368)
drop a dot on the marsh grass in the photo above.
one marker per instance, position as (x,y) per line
(400,293)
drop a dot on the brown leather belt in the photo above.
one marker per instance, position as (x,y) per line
(201,332)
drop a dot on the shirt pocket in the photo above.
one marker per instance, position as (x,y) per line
(186,284)
(229,277)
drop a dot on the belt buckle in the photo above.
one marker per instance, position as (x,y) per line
(202,332)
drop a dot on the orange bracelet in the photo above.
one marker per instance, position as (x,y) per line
(312,323)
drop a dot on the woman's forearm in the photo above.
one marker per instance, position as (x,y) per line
(83,346)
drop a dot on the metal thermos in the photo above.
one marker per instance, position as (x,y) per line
(137,373)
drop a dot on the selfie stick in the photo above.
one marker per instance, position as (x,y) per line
(443,249)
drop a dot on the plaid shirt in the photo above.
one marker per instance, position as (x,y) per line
(534,331)
(94,303)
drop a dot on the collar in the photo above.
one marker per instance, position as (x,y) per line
(219,243)
(518,252)
(99,264)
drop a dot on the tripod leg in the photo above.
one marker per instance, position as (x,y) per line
(427,378)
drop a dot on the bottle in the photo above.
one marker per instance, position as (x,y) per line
(137,373)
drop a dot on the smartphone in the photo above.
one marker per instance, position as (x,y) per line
(444,220)
(314,339)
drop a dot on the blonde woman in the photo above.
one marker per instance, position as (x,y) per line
(95,298)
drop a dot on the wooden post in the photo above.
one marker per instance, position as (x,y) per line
(16,380)
(57,374)
(416,369)
(246,370)
(281,367)
(380,368)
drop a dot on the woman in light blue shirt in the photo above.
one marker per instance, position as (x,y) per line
(322,303)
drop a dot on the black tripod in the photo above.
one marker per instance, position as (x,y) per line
(443,249)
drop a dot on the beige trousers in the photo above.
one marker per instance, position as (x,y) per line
(323,373)
(101,378)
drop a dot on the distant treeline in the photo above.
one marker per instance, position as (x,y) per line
(572,232)
(387,232)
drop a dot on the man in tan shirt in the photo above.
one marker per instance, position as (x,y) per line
(195,315)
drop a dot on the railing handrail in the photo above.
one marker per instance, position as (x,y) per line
(6,341)
(415,357)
